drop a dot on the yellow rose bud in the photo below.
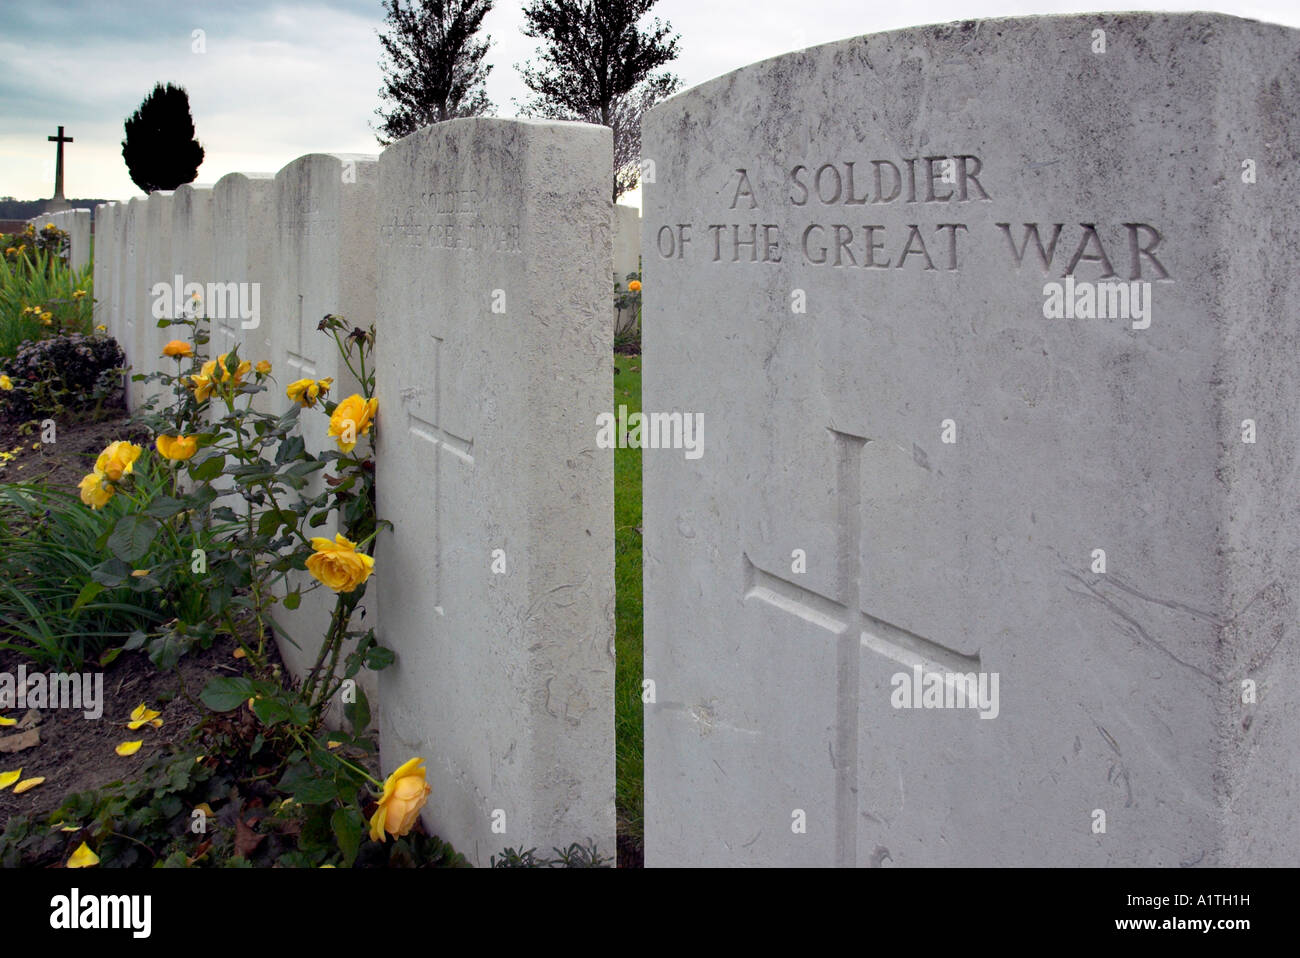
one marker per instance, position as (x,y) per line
(117,460)
(6,383)
(634,286)
(338,564)
(352,419)
(95,492)
(177,448)
(305,392)
(46,317)
(405,792)
(263,368)
(101,328)
(178,347)
(202,382)
(78,294)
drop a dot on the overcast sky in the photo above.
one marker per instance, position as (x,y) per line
(280,79)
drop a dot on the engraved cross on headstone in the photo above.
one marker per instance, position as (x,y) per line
(424,416)
(303,366)
(854,630)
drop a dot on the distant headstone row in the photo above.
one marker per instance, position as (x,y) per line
(493,360)
(76,223)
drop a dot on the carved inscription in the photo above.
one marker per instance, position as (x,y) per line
(876,214)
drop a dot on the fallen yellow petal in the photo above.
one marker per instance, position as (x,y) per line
(28,783)
(156,723)
(128,748)
(332,744)
(140,573)
(8,778)
(205,808)
(7,721)
(83,857)
(70,828)
(240,653)
(143,716)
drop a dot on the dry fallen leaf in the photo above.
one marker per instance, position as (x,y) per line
(246,840)
(23,740)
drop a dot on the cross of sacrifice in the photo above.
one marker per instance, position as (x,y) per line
(58,162)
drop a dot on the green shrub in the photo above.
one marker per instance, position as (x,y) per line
(64,374)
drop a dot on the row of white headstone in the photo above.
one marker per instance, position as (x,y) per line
(76,223)
(480,250)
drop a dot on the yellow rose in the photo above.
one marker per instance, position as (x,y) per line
(352,419)
(101,328)
(117,460)
(178,347)
(405,792)
(6,383)
(224,375)
(202,383)
(263,368)
(305,392)
(78,294)
(338,564)
(10,251)
(634,286)
(95,492)
(177,448)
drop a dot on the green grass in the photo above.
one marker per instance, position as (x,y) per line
(627,585)
(39,282)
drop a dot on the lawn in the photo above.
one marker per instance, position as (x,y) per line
(627,585)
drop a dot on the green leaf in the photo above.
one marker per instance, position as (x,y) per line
(88,592)
(379,658)
(209,468)
(292,448)
(270,711)
(307,786)
(164,507)
(224,694)
(132,537)
(358,712)
(348,827)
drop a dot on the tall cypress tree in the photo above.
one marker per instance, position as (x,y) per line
(160,150)
(433,65)
(598,65)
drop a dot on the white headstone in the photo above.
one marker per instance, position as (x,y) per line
(244,228)
(912,462)
(105,253)
(154,278)
(494,358)
(133,297)
(192,241)
(323,262)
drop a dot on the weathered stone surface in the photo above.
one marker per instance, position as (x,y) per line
(494,359)
(323,261)
(840,278)
(244,230)
(154,277)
